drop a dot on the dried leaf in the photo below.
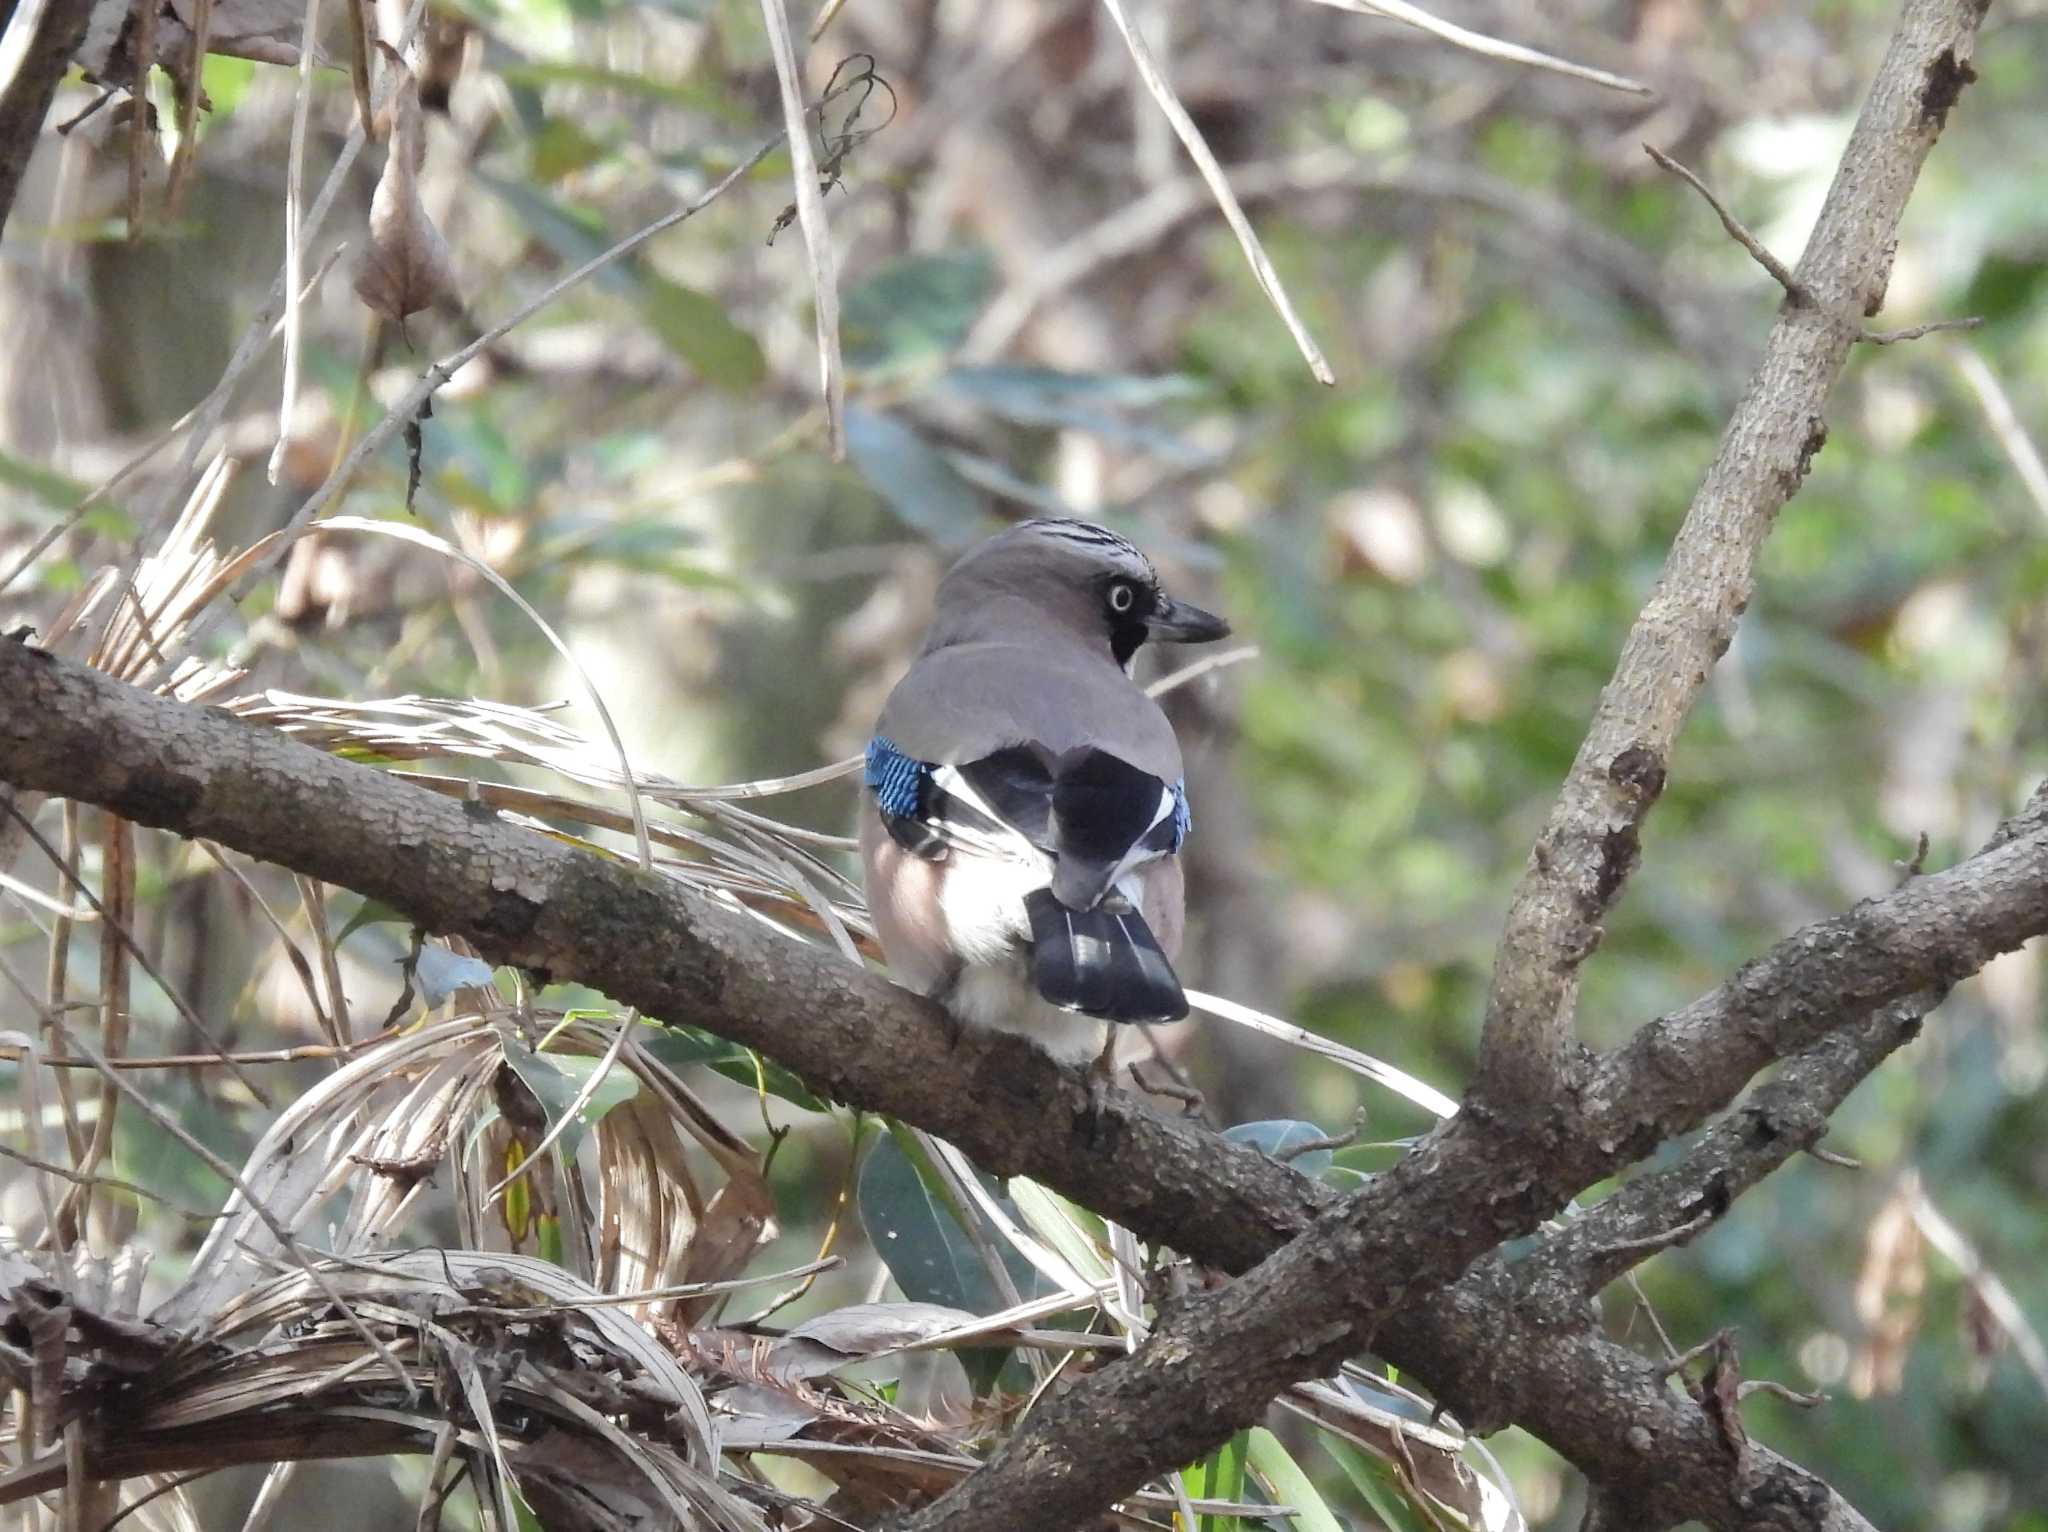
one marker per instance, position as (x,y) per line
(407,266)
(858,1331)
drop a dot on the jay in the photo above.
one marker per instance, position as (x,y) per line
(1023,805)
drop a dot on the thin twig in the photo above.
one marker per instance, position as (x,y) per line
(1750,1386)
(1737,231)
(41,900)
(291,948)
(256,1204)
(1175,679)
(1915,331)
(134,949)
(1344,1140)
(2004,423)
(1663,1239)
(188,117)
(826,16)
(115,1183)
(359,64)
(139,135)
(429,382)
(1219,186)
(810,211)
(1487,47)
(294,237)
(1686,1358)
(310,1052)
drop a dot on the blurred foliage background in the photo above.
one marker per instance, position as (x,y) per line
(1537,336)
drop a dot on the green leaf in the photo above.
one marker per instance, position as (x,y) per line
(914,309)
(1221,1477)
(440,972)
(927,493)
(555,1080)
(680,1047)
(371,912)
(61,493)
(696,328)
(1091,402)
(919,1234)
(1379,1484)
(1277,1135)
(561,148)
(1288,1485)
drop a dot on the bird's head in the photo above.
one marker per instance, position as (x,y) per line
(1084,580)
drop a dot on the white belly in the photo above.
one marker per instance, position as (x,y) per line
(999,996)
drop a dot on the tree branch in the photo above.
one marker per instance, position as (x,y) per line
(531,901)
(50,33)
(1589,845)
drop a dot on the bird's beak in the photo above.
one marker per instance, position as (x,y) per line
(1179,623)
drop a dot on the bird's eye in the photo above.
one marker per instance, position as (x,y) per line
(1122,596)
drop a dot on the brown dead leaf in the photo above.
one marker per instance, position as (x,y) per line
(407,266)
(739,1220)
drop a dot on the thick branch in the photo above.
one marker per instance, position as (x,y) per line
(1588,847)
(1211,1367)
(529,900)
(58,28)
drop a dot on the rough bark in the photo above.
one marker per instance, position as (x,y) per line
(533,902)
(1404,1262)
(1589,845)
(25,98)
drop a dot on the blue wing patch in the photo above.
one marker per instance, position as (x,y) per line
(896,780)
(1183,817)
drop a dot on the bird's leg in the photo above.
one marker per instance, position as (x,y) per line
(1101,1086)
(1192,1102)
(943,993)
(1104,1067)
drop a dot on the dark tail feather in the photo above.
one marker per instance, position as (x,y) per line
(1101,962)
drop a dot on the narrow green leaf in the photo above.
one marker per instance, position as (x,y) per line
(555,1080)
(1288,1485)
(1224,1478)
(1379,1485)
(696,328)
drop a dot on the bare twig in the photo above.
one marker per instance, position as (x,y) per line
(1487,47)
(1662,1239)
(1915,331)
(294,236)
(119,931)
(1737,230)
(49,32)
(256,1204)
(1740,233)
(188,116)
(141,130)
(1591,840)
(810,205)
(1197,147)
(2004,422)
(114,1183)
(1778,1390)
